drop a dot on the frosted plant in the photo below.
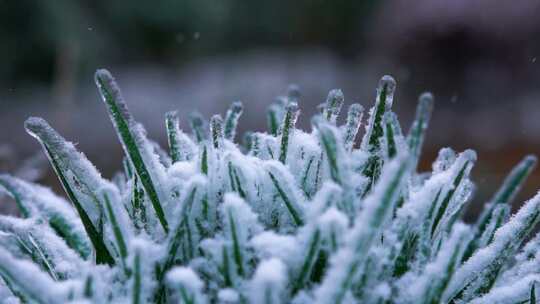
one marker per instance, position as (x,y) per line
(288,217)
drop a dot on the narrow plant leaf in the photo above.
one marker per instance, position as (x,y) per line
(505,195)
(532,297)
(287,128)
(34,240)
(376,210)
(308,262)
(231,120)
(375,129)
(133,141)
(508,190)
(466,161)
(216,128)
(119,237)
(477,275)
(174,241)
(79,179)
(204,160)
(53,209)
(334,102)
(137,279)
(417,133)
(291,217)
(438,273)
(334,152)
(273,118)
(199,126)
(393,137)
(282,183)
(10,185)
(22,275)
(514,181)
(173,128)
(354,120)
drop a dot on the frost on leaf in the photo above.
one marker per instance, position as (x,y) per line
(292,216)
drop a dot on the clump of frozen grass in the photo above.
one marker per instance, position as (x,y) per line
(289,217)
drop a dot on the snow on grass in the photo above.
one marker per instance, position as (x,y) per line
(291,216)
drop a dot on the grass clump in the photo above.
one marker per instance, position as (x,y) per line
(289,217)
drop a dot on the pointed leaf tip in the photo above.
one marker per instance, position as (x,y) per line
(531,159)
(335,95)
(334,102)
(216,128)
(426,97)
(237,107)
(172,115)
(356,109)
(386,89)
(292,106)
(231,119)
(293,92)
(470,155)
(102,74)
(388,80)
(36,125)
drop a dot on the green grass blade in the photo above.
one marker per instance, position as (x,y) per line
(204,160)
(89,287)
(172,124)
(132,139)
(290,199)
(309,261)
(137,279)
(477,276)
(506,193)
(117,231)
(179,232)
(13,189)
(515,180)
(372,140)
(237,250)
(273,118)
(332,146)
(393,136)
(199,126)
(225,267)
(53,144)
(499,216)
(469,158)
(43,259)
(287,128)
(354,120)
(334,102)
(377,208)
(59,218)
(216,129)
(440,271)
(417,133)
(532,297)
(383,103)
(231,120)
(28,280)
(16,292)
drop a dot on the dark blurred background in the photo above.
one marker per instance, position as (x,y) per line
(478,57)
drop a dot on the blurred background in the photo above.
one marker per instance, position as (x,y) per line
(479,58)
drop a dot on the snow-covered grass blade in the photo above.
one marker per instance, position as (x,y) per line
(289,217)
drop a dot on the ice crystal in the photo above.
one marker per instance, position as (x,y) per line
(290,217)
